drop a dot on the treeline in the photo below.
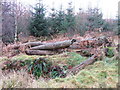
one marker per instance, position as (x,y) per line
(39,22)
(56,22)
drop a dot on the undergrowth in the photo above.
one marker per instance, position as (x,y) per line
(101,74)
(75,59)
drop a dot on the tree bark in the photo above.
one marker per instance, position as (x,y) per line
(1,50)
(56,45)
(32,44)
(40,52)
(29,44)
(89,43)
(77,68)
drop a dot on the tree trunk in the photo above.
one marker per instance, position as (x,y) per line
(1,28)
(40,52)
(29,44)
(77,68)
(56,45)
(32,44)
(16,30)
(16,23)
(89,43)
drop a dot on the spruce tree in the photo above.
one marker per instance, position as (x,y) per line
(70,18)
(60,20)
(56,21)
(94,19)
(38,23)
(52,22)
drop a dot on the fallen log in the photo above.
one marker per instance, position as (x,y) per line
(40,52)
(89,43)
(29,44)
(79,67)
(32,44)
(56,45)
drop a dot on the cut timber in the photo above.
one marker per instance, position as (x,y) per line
(32,44)
(39,52)
(56,45)
(77,68)
(89,43)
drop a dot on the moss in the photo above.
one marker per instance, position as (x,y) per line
(75,59)
(23,57)
(100,74)
(109,52)
(3,59)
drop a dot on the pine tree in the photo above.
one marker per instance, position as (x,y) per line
(52,22)
(38,24)
(70,18)
(94,19)
(60,20)
(56,21)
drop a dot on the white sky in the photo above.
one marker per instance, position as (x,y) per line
(109,8)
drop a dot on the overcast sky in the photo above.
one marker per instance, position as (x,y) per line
(108,7)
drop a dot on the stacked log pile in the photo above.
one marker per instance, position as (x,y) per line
(91,47)
(51,48)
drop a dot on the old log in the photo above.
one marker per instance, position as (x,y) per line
(28,44)
(32,44)
(89,43)
(79,67)
(40,52)
(56,45)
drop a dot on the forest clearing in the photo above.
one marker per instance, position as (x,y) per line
(57,48)
(102,70)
